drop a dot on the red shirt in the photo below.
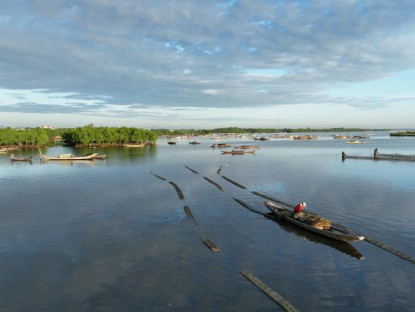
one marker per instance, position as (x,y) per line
(298,208)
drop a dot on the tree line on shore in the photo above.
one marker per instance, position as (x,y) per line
(403,133)
(122,135)
(77,136)
(254,130)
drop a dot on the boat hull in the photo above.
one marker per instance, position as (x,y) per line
(335,232)
(89,157)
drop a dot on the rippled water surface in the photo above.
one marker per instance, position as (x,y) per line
(111,236)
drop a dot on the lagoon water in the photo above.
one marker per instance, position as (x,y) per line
(110,236)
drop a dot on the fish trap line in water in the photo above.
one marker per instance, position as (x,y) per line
(210,245)
(249,207)
(234,182)
(273,199)
(190,215)
(214,183)
(383,246)
(157,176)
(391,250)
(178,190)
(276,297)
(192,170)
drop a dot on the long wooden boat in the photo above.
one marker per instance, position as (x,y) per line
(220,145)
(334,232)
(68,157)
(247,147)
(134,145)
(97,156)
(3,150)
(28,159)
(355,142)
(238,152)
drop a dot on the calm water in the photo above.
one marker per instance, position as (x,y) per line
(110,236)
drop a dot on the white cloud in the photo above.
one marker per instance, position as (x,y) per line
(197,54)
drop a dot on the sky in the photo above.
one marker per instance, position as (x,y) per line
(206,64)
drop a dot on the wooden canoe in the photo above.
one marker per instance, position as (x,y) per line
(97,156)
(334,232)
(28,159)
(134,145)
(238,152)
(247,147)
(68,157)
(221,145)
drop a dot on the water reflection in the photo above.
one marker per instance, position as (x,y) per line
(69,162)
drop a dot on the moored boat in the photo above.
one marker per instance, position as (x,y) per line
(27,159)
(220,145)
(247,147)
(134,145)
(355,142)
(67,157)
(238,152)
(333,232)
(97,156)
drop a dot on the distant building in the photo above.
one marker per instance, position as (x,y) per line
(56,140)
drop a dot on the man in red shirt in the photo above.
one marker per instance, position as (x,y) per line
(299,207)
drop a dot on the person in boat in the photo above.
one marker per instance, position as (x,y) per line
(298,210)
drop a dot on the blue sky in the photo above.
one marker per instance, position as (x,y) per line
(206,64)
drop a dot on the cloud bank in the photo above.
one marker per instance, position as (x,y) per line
(101,54)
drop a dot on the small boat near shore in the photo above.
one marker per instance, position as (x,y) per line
(27,159)
(334,232)
(239,152)
(247,147)
(97,156)
(221,145)
(355,142)
(134,145)
(67,157)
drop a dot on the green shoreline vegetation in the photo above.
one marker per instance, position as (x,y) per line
(403,133)
(117,136)
(80,136)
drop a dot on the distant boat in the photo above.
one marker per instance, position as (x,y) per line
(97,156)
(67,157)
(3,150)
(135,145)
(238,152)
(355,142)
(247,147)
(220,145)
(194,142)
(171,143)
(28,159)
